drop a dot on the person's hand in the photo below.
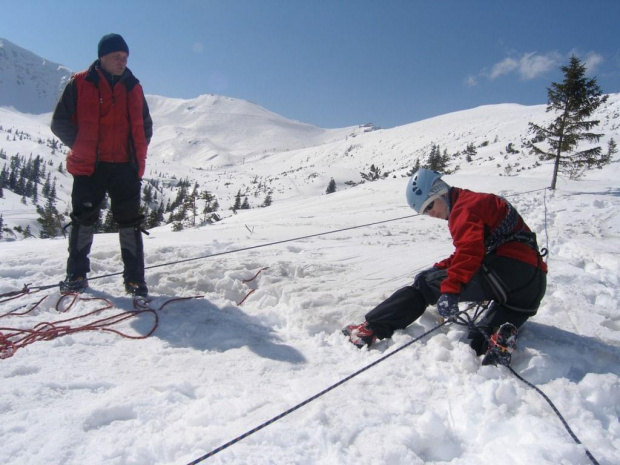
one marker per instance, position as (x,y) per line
(141,168)
(448,305)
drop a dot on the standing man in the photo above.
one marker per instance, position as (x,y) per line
(103,117)
(495,258)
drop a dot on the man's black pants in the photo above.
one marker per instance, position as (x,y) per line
(120,181)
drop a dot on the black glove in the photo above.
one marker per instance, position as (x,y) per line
(448,305)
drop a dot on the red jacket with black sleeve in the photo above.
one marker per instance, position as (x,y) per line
(473,216)
(103,122)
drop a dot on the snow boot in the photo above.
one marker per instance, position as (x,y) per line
(360,335)
(137,289)
(502,344)
(73,285)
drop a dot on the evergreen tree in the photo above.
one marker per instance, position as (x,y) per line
(574,100)
(245,205)
(331,187)
(27,232)
(49,219)
(156,217)
(211,205)
(437,161)
(268,200)
(237,204)
(470,151)
(612,149)
(415,168)
(190,206)
(1,225)
(109,225)
(47,186)
(373,175)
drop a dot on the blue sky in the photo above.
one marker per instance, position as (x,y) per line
(335,63)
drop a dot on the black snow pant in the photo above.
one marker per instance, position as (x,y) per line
(515,287)
(120,181)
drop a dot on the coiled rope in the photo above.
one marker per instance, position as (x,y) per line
(13,339)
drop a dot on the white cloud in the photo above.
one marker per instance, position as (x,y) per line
(533,65)
(529,66)
(592,60)
(503,67)
(471,81)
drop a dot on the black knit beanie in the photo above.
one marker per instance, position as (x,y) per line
(112,43)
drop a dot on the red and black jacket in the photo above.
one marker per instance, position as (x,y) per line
(473,217)
(102,122)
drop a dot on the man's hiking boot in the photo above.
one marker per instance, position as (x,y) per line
(360,335)
(137,289)
(502,344)
(73,285)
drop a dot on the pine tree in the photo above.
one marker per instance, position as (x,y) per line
(237,204)
(415,169)
(470,152)
(49,219)
(268,200)
(574,101)
(331,187)
(27,232)
(437,161)
(373,175)
(156,217)
(109,225)
(612,149)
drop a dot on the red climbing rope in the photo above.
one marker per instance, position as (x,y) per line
(13,339)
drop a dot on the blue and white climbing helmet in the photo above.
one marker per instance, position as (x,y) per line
(424,187)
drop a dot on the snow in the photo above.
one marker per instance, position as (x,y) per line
(214,370)
(28,82)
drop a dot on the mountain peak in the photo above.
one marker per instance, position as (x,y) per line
(29,83)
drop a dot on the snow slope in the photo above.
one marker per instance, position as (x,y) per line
(29,83)
(229,145)
(213,370)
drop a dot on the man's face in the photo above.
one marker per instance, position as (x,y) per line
(114,63)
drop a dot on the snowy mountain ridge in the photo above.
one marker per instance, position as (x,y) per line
(231,146)
(29,83)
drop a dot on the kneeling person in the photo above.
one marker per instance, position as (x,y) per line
(495,258)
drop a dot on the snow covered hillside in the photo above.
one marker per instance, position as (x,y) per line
(227,146)
(213,370)
(29,83)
